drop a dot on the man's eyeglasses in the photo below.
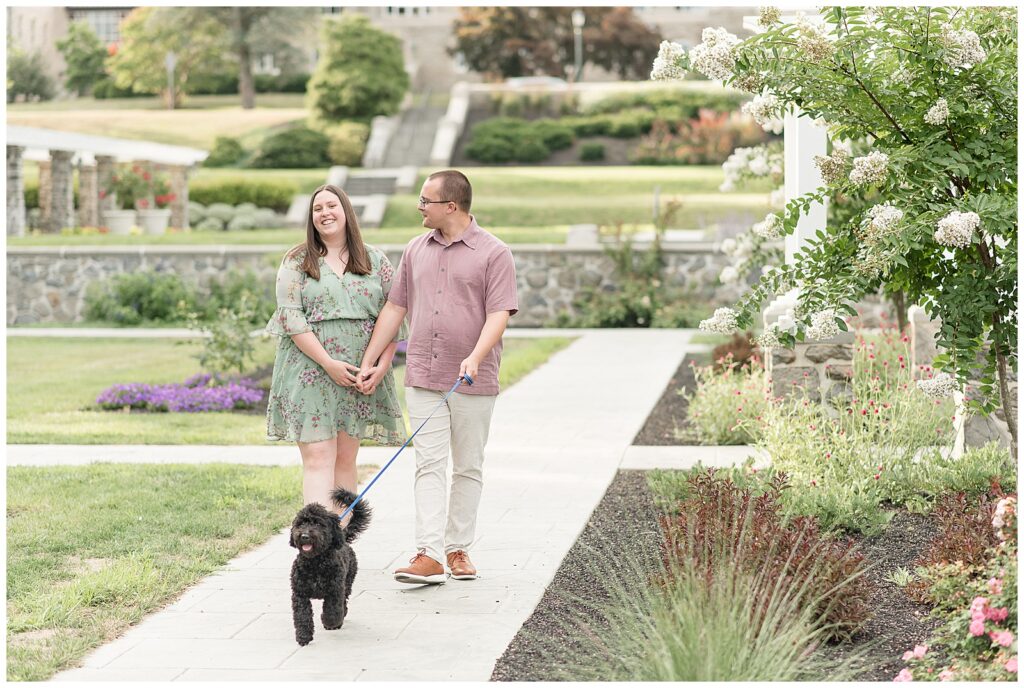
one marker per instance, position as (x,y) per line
(424,201)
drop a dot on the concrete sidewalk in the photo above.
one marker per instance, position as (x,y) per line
(558,437)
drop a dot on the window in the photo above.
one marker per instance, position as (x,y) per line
(105,23)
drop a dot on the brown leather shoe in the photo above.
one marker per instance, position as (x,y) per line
(462,568)
(422,570)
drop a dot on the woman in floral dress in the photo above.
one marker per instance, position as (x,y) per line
(329,292)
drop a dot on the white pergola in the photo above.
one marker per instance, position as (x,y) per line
(58,152)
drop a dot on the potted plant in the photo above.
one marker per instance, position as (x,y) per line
(119,196)
(153,212)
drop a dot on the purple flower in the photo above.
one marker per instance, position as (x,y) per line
(199,393)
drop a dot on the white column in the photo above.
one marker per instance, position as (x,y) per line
(804,138)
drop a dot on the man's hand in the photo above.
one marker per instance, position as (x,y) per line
(370,378)
(469,366)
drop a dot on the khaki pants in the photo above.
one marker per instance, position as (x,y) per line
(461,427)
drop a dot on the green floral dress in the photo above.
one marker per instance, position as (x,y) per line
(305,404)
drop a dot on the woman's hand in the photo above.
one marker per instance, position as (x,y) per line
(371,378)
(343,374)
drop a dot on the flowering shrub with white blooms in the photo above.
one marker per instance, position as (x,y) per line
(668,63)
(957,229)
(938,113)
(715,56)
(729,275)
(766,16)
(870,169)
(823,325)
(941,385)
(911,187)
(963,48)
(769,228)
(722,321)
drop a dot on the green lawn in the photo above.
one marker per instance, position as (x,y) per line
(54,404)
(92,549)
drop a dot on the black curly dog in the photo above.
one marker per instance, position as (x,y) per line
(325,565)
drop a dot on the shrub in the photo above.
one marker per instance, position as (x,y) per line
(32,196)
(965,529)
(719,522)
(265,218)
(686,102)
(708,139)
(108,88)
(233,288)
(241,221)
(221,211)
(137,297)
(590,152)
(360,73)
(227,345)
(347,143)
(226,151)
(281,83)
(296,148)
(555,136)
(508,139)
(264,193)
(27,78)
(210,223)
(196,212)
(730,403)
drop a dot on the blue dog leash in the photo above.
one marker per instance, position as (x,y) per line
(451,391)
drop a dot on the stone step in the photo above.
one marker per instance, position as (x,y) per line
(357,185)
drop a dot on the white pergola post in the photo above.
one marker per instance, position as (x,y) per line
(804,138)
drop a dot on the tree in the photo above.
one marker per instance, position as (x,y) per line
(27,77)
(149,33)
(503,42)
(361,72)
(930,93)
(84,55)
(254,31)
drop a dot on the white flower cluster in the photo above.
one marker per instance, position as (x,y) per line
(938,114)
(769,339)
(869,169)
(715,56)
(667,65)
(758,161)
(751,83)
(812,41)
(740,247)
(823,325)
(1004,516)
(763,108)
(901,77)
(767,16)
(777,198)
(940,386)
(832,167)
(723,321)
(957,229)
(963,48)
(729,274)
(883,218)
(769,228)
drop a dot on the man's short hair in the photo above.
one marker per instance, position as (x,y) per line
(455,187)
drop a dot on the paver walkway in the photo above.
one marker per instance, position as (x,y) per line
(558,437)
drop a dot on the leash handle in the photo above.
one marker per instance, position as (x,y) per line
(464,378)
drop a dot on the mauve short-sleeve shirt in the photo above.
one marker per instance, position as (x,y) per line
(448,290)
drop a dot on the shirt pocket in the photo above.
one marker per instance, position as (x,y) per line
(466,289)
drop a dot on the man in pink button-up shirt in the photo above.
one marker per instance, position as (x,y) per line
(457,283)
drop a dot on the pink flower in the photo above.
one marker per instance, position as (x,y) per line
(1004,638)
(916,653)
(978,603)
(997,614)
(1011,665)
(977,627)
(947,675)
(995,586)
(904,675)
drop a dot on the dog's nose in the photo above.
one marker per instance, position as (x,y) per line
(304,536)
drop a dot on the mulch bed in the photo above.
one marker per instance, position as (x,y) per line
(624,525)
(667,425)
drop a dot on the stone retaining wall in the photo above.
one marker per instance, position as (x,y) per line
(48,284)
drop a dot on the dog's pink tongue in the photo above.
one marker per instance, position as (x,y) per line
(307,548)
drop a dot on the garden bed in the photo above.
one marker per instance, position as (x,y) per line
(667,425)
(624,527)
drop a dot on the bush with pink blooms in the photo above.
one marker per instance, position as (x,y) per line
(978,639)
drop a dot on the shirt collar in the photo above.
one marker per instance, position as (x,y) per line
(469,237)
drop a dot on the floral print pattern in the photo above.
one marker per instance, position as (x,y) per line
(305,405)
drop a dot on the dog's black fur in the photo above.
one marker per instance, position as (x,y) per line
(325,565)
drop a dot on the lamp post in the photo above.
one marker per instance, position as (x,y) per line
(578,20)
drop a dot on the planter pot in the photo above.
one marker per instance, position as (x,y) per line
(119,222)
(154,221)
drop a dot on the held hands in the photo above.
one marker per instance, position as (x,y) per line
(370,378)
(343,374)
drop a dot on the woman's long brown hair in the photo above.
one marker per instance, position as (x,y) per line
(358,258)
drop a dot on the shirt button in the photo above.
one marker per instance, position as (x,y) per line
(435,355)
(435,334)
(436,312)
(442,269)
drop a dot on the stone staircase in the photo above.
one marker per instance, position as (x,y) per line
(412,142)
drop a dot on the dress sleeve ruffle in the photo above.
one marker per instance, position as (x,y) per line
(288,321)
